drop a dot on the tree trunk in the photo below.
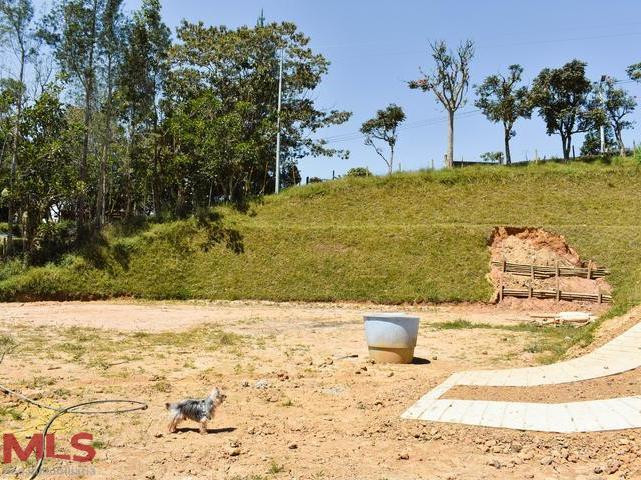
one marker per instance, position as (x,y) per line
(450,140)
(102,180)
(14,153)
(619,138)
(391,160)
(507,136)
(566,140)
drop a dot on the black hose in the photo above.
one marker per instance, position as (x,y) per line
(72,409)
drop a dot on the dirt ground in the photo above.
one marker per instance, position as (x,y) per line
(622,385)
(302,399)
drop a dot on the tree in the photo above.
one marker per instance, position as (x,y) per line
(492,157)
(142,82)
(239,69)
(45,176)
(502,100)
(561,96)
(449,82)
(592,141)
(384,127)
(111,45)
(16,31)
(634,72)
(73,29)
(616,104)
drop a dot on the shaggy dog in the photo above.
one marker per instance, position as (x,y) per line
(200,411)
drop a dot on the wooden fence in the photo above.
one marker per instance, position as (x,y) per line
(554,294)
(543,271)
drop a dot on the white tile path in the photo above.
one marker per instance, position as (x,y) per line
(619,355)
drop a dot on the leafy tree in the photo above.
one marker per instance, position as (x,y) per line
(111,44)
(449,82)
(616,104)
(73,29)
(16,30)
(561,96)
(492,157)
(501,99)
(142,82)
(45,177)
(239,68)
(384,127)
(634,72)
(592,141)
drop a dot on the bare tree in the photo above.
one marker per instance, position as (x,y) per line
(449,82)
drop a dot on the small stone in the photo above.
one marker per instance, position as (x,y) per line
(158,435)
(612,466)
(516,447)
(484,352)
(598,469)
(434,357)
(526,455)
(390,374)
(261,384)
(233,451)
(403,456)
(292,446)
(244,383)
(494,463)
(547,460)
(150,476)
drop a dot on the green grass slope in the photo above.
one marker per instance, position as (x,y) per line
(415,237)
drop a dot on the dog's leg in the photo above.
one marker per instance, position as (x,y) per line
(172,424)
(203,426)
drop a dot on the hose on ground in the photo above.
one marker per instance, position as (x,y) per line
(72,409)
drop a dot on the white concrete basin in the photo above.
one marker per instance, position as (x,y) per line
(391,337)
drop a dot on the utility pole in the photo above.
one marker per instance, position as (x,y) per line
(602,127)
(280,93)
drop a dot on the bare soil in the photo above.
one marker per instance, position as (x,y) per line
(621,385)
(536,246)
(300,404)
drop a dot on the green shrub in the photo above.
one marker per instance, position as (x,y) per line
(359,172)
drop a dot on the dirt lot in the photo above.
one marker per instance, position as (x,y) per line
(299,405)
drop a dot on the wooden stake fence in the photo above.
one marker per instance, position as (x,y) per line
(556,294)
(543,271)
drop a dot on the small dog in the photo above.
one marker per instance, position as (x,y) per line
(200,411)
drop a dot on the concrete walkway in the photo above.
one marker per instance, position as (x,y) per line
(619,355)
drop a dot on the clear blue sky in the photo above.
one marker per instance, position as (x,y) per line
(376,46)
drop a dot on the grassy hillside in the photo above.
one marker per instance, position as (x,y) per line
(408,237)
